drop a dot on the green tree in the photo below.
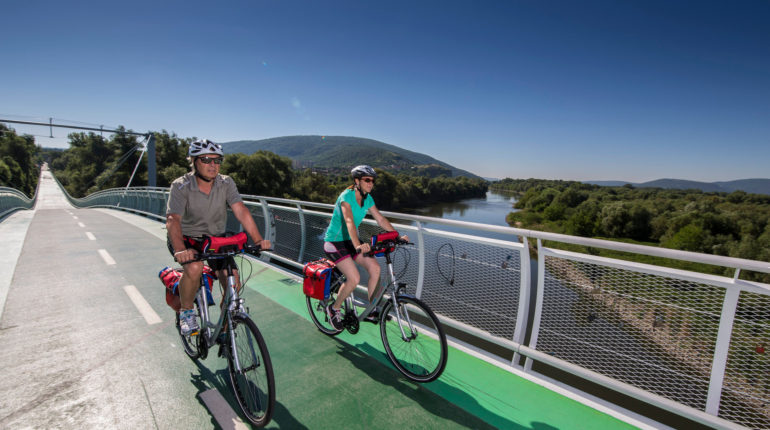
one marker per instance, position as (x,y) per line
(262,173)
(17,161)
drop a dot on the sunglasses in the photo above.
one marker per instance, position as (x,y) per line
(208,160)
(368,180)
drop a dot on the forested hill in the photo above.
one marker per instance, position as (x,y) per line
(337,152)
(751,186)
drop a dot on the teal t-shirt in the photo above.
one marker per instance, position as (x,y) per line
(337,231)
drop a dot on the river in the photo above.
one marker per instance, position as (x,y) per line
(491,209)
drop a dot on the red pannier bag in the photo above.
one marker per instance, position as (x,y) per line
(170,279)
(382,237)
(318,276)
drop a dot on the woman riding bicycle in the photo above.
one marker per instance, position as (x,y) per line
(197,207)
(341,240)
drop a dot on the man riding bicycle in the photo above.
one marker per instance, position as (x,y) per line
(197,207)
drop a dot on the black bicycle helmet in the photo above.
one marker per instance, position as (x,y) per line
(203,147)
(359,172)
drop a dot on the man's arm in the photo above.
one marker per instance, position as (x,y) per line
(174,231)
(243,215)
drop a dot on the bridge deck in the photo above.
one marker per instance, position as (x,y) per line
(78,352)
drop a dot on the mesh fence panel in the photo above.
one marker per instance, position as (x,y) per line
(473,282)
(288,235)
(655,332)
(315,228)
(746,387)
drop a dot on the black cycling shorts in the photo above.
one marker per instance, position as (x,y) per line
(338,251)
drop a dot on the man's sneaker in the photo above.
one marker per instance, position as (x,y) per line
(188,323)
(335,317)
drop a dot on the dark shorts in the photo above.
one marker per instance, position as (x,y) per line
(338,251)
(193,243)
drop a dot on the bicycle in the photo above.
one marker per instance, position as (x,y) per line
(413,338)
(248,361)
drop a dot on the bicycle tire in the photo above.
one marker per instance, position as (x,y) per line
(190,343)
(316,308)
(422,356)
(254,384)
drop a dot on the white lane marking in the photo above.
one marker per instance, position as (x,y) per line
(106,257)
(90,235)
(223,413)
(73,216)
(81,224)
(141,304)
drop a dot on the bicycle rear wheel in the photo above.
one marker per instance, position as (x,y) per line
(251,372)
(316,308)
(420,351)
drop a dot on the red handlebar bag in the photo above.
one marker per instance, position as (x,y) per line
(318,276)
(224,244)
(384,237)
(170,279)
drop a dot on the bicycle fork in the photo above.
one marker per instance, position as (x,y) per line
(236,306)
(397,308)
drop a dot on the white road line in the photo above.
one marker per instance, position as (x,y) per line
(90,235)
(81,224)
(141,304)
(106,257)
(223,413)
(73,216)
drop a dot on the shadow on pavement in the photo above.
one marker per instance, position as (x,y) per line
(221,382)
(362,356)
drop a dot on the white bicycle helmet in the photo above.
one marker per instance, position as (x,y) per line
(359,172)
(203,147)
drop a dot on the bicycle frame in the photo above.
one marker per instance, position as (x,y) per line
(234,304)
(393,287)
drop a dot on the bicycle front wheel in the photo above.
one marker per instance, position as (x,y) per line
(251,372)
(414,339)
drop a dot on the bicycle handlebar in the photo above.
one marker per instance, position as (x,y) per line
(385,246)
(256,250)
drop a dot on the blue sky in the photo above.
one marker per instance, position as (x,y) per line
(590,90)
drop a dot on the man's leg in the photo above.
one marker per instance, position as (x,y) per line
(189,283)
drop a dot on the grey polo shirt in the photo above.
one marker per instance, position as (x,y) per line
(202,214)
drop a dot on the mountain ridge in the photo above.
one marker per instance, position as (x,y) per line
(341,151)
(750,185)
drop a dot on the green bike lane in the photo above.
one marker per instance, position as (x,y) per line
(370,392)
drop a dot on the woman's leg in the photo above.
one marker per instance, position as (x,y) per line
(349,269)
(373,268)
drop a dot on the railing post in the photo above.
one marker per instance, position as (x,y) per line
(420,259)
(269,224)
(539,302)
(721,349)
(522,314)
(303,233)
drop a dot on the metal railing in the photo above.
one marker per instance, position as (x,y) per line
(688,342)
(12,200)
